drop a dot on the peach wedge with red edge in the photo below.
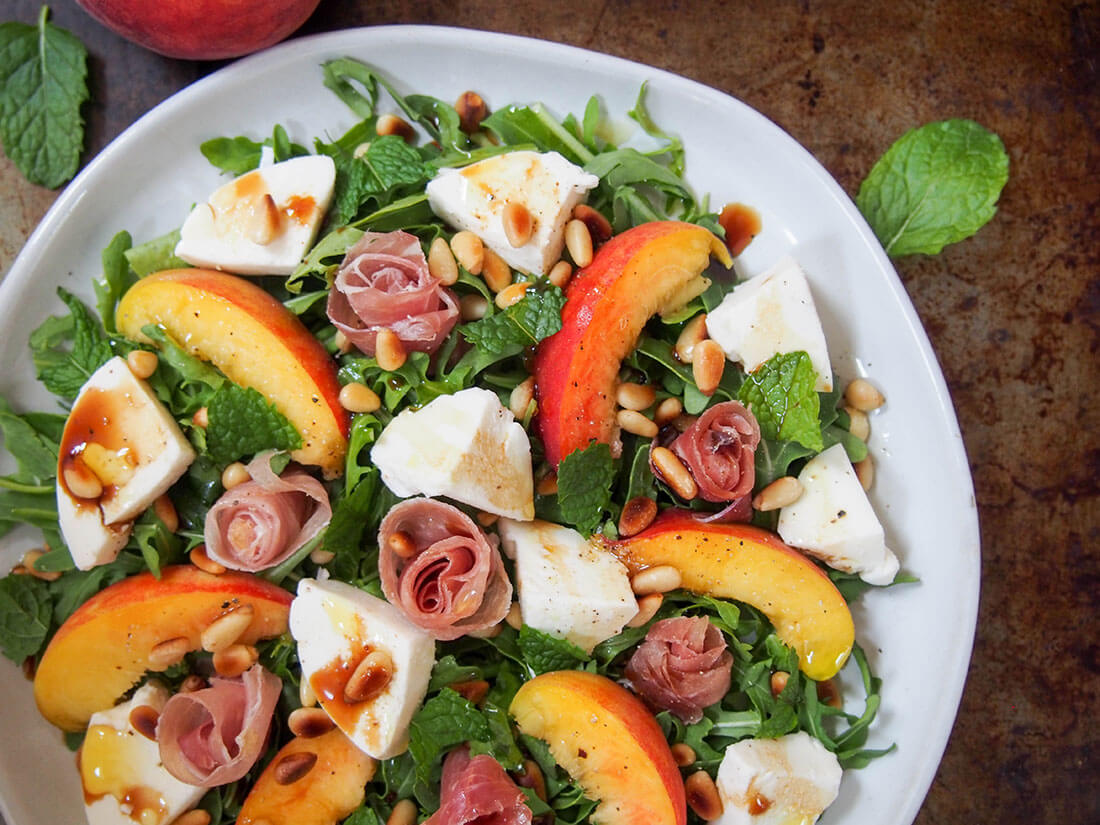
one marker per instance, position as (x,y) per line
(107,644)
(256,342)
(609,742)
(751,565)
(326,794)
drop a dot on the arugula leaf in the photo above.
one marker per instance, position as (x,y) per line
(781,393)
(34,452)
(243,422)
(235,155)
(531,319)
(116,279)
(544,653)
(584,486)
(43,83)
(156,254)
(534,124)
(325,257)
(675,147)
(24,616)
(64,371)
(936,185)
(183,382)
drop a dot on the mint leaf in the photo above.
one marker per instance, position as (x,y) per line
(35,453)
(43,82)
(781,394)
(544,653)
(584,486)
(243,423)
(531,319)
(936,185)
(444,721)
(24,616)
(62,370)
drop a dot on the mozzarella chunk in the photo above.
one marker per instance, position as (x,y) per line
(833,520)
(90,541)
(124,779)
(567,586)
(548,185)
(770,314)
(263,222)
(465,446)
(336,626)
(784,781)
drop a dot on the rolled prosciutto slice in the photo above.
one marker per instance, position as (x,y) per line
(682,666)
(719,450)
(478,791)
(441,569)
(215,735)
(384,283)
(259,524)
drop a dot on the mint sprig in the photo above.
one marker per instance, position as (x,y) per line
(242,422)
(531,319)
(782,397)
(584,486)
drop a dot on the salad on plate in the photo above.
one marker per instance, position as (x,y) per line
(447,471)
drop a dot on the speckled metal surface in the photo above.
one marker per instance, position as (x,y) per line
(1013,314)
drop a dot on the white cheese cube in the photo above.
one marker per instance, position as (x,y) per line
(833,520)
(124,779)
(465,446)
(548,185)
(770,314)
(263,222)
(568,587)
(784,781)
(336,626)
(91,542)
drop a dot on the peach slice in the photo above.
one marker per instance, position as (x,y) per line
(609,742)
(256,342)
(325,794)
(751,565)
(107,644)
(654,267)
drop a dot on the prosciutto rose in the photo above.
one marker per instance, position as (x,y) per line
(719,450)
(682,666)
(477,790)
(441,569)
(384,283)
(260,523)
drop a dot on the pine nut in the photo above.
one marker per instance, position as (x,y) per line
(486,519)
(472,690)
(708,362)
(196,816)
(389,351)
(341,342)
(191,683)
(560,273)
(359,398)
(165,510)
(306,696)
(361,150)
(519,224)
(402,544)
(522,396)
(779,681)
(490,632)
(859,424)
(512,294)
(201,418)
(471,110)
(370,677)
(202,561)
(293,767)
(865,472)
(472,307)
(235,475)
(495,272)
(403,813)
(469,251)
(634,422)
(693,332)
(667,410)
(648,606)
(514,617)
(441,262)
(673,472)
(29,559)
(548,485)
(309,722)
(111,467)
(702,796)
(143,719)
(227,628)
(531,777)
(598,226)
(633,396)
(321,557)
(578,240)
(389,124)
(235,660)
(829,693)
(863,395)
(142,363)
(659,579)
(82,483)
(169,652)
(782,492)
(262,224)
(683,754)
(637,514)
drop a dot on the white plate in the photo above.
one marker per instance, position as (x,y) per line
(918,637)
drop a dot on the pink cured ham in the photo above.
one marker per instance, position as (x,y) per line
(719,450)
(260,523)
(215,735)
(682,666)
(384,283)
(449,577)
(477,791)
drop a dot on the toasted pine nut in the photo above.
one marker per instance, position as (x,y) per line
(693,332)
(403,813)
(522,396)
(495,271)
(293,767)
(633,396)
(519,223)
(191,683)
(486,519)
(708,362)
(598,226)
(234,475)
(667,410)
(143,719)
(441,262)
(389,124)
(235,660)
(402,544)
(196,816)
(782,492)
(648,605)
(659,579)
(359,398)
(865,472)
(305,693)
(309,722)
(634,422)
(341,342)
(578,240)
(673,472)
(531,777)
(859,423)
(560,273)
(514,617)
(472,690)
(142,362)
(227,628)
(469,251)
(111,467)
(863,395)
(82,483)
(637,514)
(683,754)
(262,225)
(471,110)
(548,485)
(201,418)
(389,350)
(472,307)
(779,681)
(321,557)
(165,510)
(169,652)
(370,677)
(202,561)
(702,796)
(361,149)
(29,559)
(511,294)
